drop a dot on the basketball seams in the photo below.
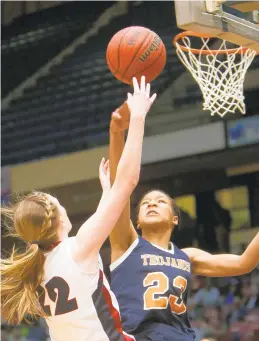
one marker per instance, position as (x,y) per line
(117,70)
(109,62)
(136,53)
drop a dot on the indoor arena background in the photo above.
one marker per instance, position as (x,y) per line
(57,98)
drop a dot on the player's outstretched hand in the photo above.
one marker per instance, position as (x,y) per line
(140,102)
(104,174)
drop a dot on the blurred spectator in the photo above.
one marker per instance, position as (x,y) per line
(225,309)
(4,333)
(229,309)
(249,298)
(207,293)
(25,332)
(214,321)
(36,332)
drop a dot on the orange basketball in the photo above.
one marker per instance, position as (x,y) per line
(134,52)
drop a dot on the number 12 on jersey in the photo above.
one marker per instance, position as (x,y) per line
(158,284)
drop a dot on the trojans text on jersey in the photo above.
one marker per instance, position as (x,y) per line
(181,264)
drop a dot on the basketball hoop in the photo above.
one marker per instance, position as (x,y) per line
(219,72)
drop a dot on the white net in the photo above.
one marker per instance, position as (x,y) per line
(220,75)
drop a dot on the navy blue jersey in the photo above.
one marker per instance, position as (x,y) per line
(151,286)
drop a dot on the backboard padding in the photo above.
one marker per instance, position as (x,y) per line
(192,15)
(244,6)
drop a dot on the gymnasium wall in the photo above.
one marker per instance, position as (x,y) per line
(83,166)
(57,171)
(170,163)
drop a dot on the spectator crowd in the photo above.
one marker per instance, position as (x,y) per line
(220,309)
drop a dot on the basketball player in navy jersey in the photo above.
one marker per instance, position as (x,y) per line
(61,278)
(149,275)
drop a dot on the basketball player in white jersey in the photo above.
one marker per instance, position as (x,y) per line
(61,278)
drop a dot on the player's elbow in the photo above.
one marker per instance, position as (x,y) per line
(250,267)
(246,266)
(134,179)
(128,178)
(131,183)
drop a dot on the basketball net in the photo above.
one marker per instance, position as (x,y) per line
(219,73)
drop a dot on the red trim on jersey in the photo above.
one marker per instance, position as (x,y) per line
(113,311)
(52,246)
(41,245)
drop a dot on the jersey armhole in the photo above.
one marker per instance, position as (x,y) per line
(122,258)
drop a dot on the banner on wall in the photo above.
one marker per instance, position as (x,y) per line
(243,132)
(6,187)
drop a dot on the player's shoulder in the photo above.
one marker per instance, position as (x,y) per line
(125,257)
(62,250)
(60,259)
(181,253)
(66,245)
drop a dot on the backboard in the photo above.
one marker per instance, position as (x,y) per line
(233,21)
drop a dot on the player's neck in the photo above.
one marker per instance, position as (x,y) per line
(62,234)
(158,238)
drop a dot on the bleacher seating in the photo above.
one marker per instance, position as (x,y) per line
(70,108)
(30,41)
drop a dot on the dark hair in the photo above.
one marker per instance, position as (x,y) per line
(175,207)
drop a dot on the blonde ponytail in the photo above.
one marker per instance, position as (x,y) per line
(21,274)
(35,218)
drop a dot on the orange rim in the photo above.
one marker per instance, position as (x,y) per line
(199,51)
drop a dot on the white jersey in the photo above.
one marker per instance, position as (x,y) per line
(80,304)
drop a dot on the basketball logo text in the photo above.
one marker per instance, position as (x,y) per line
(154,46)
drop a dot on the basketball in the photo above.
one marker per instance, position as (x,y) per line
(134,52)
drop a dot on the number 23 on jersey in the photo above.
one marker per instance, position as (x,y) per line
(158,285)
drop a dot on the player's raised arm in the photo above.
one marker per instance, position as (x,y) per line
(95,230)
(205,264)
(123,233)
